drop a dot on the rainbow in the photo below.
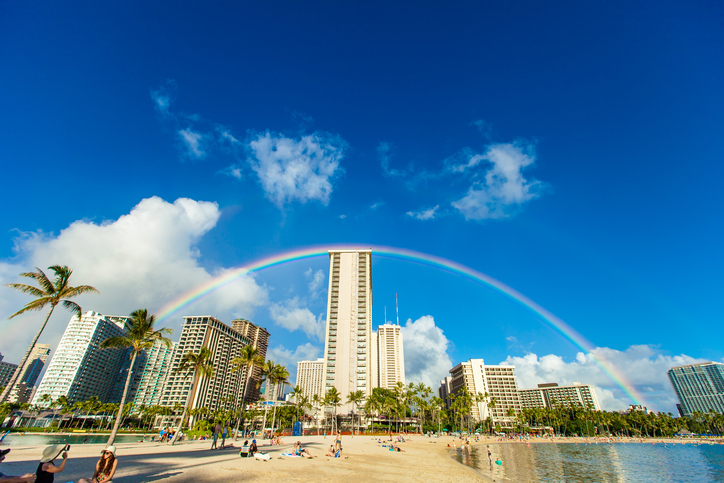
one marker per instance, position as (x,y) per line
(279,259)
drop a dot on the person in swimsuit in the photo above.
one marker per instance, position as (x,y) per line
(26,478)
(46,469)
(105,468)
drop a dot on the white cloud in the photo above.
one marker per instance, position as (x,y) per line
(301,169)
(342,217)
(289,359)
(163,97)
(376,205)
(642,365)
(194,143)
(504,188)
(428,214)
(425,347)
(291,316)
(144,259)
(315,282)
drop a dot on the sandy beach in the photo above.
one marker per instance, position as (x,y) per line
(423,459)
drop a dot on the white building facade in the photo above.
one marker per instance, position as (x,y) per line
(80,369)
(310,377)
(347,350)
(491,382)
(551,395)
(388,356)
(221,391)
(152,370)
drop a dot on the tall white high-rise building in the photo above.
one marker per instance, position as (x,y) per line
(310,377)
(388,356)
(80,369)
(495,381)
(347,351)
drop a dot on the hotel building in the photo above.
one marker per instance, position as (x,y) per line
(495,381)
(550,395)
(347,352)
(29,375)
(213,393)
(7,369)
(310,377)
(259,338)
(388,360)
(80,369)
(150,374)
(699,387)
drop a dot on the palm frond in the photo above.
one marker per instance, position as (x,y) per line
(118,341)
(62,276)
(42,279)
(37,304)
(73,307)
(29,289)
(70,292)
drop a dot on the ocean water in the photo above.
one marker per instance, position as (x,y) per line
(618,462)
(14,439)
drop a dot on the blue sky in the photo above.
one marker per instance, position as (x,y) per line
(569,150)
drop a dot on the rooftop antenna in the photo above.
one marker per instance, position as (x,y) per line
(397,309)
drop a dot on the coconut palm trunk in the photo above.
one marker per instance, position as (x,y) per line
(119,417)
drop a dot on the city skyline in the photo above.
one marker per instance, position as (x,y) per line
(566,150)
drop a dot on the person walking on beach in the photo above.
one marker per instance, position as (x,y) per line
(26,478)
(338,442)
(105,468)
(46,469)
(224,433)
(215,436)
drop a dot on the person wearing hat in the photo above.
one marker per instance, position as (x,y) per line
(105,468)
(47,469)
(26,478)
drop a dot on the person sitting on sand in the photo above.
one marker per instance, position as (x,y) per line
(300,451)
(244,451)
(46,469)
(253,449)
(26,478)
(331,451)
(105,468)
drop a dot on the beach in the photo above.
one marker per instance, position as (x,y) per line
(423,459)
(364,459)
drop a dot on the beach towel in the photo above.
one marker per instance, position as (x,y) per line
(262,457)
(290,455)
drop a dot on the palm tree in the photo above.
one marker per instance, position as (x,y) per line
(248,358)
(296,392)
(318,403)
(280,377)
(268,374)
(333,398)
(355,398)
(200,365)
(48,293)
(141,336)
